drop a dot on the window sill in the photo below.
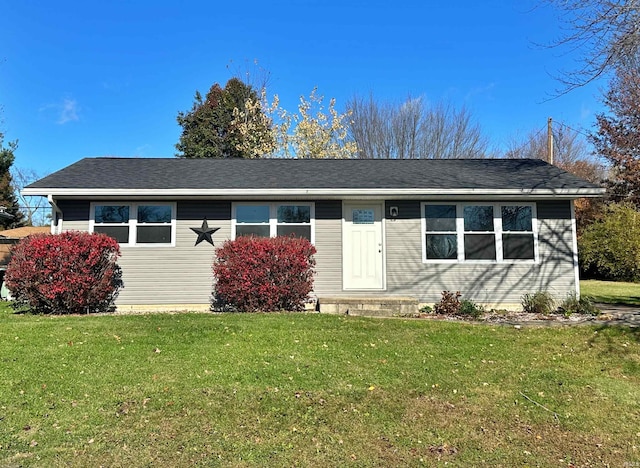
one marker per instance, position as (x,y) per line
(480,262)
(145,246)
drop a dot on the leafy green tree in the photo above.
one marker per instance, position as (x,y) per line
(228,123)
(8,200)
(609,247)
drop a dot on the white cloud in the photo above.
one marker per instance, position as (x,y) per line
(64,111)
(68,111)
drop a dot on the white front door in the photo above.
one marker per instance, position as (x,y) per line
(362,246)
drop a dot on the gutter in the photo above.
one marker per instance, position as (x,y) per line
(316,193)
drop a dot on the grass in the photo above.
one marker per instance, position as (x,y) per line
(611,292)
(313,390)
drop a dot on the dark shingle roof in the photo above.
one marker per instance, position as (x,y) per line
(202,174)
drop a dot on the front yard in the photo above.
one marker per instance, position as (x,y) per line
(311,389)
(611,292)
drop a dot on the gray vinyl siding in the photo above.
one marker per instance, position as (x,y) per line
(328,242)
(182,274)
(167,275)
(499,283)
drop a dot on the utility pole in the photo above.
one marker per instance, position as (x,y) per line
(550,140)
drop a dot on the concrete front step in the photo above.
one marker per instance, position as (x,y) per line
(371,307)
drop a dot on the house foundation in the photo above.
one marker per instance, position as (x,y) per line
(371,307)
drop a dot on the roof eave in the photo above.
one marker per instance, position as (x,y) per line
(315,193)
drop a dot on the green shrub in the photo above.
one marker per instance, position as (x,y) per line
(609,248)
(540,302)
(470,309)
(426,309)
(574,305)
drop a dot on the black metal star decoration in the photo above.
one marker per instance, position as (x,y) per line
(204,232)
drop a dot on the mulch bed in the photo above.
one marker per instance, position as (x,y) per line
(515,318)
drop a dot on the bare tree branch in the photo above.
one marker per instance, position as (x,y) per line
(36,209)
(570,150)
(412,129)
(605,34)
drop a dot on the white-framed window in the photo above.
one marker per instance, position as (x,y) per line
(274,219)
(441,232)
(135,224)
(479,232)
(519,237)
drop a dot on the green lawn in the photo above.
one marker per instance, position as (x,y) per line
(611,292)
(313,390)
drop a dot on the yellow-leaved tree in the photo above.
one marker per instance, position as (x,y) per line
(314,132)
(250,122)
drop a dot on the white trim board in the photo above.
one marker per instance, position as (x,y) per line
(324,193)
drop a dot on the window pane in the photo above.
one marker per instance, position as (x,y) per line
(442,246)
(478,218)
(516,218)
(111,214)
(363,216)
(119,233)
(154,214)
(154,235)
(249,230)
(298,231)
(294,214)
(252,214)
(479,247)
(517,246)
(440,217)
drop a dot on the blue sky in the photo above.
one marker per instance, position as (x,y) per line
(84,78)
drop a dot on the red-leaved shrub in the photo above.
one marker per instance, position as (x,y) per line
(72,272)
(264,274)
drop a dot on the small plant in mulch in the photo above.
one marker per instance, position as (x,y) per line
(583,306)
(469,308)
(451,304)
(543,303)
(540,303)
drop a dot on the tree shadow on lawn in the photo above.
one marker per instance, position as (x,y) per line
(614,300)
(606,331)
